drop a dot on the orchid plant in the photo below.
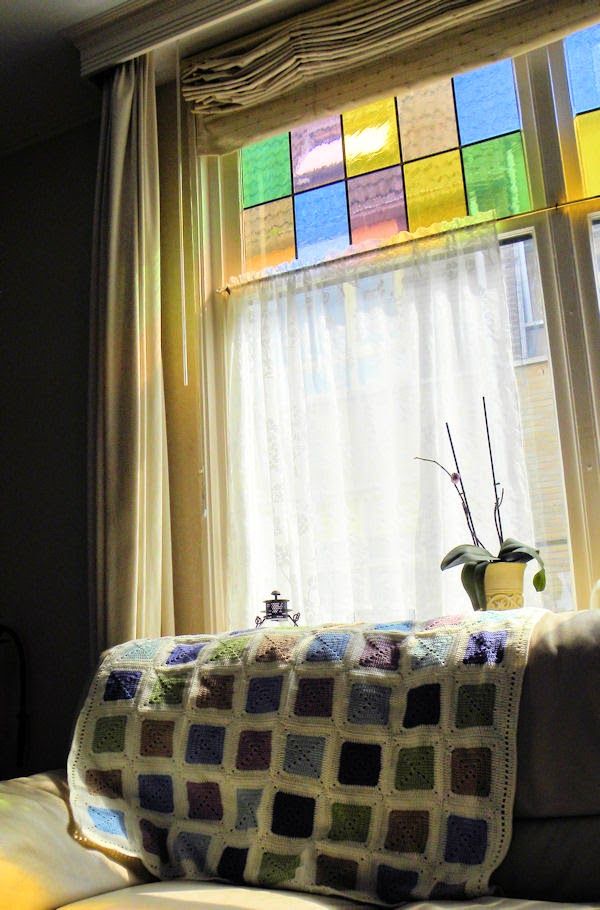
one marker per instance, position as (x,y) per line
(474,557)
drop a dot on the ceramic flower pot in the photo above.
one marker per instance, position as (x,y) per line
(503,585)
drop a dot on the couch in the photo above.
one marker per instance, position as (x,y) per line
(553,855)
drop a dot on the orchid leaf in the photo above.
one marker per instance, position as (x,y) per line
(466,553)
(472,578)
(539,580)
(514,551)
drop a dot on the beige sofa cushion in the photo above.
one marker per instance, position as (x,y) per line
(41,865)
(214,896)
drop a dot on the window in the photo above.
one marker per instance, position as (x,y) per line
(451,149)
(485,144)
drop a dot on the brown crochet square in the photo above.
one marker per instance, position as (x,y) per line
(407,831)
(471,772)
(104,783)
(215,692)
(157,738)
(276,648)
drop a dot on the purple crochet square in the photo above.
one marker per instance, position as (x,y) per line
(328,646)
(154,839)
(184,654)
(122,684)
(380,654)
(204,801)
(156,792)
(466,840)
(264,694)
(205,745)
(485,648)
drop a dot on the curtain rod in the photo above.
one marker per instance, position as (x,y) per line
(399,243)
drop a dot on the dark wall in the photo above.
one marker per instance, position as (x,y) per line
(46,211)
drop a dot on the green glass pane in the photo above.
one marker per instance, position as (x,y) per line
(496,176)
(266,170)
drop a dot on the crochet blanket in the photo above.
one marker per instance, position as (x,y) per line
(376,761)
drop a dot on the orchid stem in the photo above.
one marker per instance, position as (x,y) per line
(470,522)
(497,517)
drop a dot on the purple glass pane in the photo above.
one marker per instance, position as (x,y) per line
(317,154)
(377,205)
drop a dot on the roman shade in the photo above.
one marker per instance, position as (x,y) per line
(346,53)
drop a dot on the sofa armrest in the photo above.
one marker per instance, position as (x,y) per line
(42,866)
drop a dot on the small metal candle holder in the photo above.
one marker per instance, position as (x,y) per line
(276,610)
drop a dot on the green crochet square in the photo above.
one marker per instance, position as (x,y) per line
(168,689)
(109,734)
(414,770)
(277,867)
(230,649)
(350,822)
(475,706)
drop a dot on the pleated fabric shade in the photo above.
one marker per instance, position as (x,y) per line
(349,52)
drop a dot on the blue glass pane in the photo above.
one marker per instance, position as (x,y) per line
(321,222)
(486,102)
(583,66)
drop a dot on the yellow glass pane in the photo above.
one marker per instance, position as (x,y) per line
(434,190)
(587,127)
(371,137)
(268,235)
(427,120)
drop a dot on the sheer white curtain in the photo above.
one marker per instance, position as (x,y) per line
(338,376)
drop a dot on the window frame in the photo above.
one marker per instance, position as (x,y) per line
(562,236)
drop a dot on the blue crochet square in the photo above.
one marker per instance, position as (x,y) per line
(369,704)
(193,847)
(328,646)
(248,802)
(156,792)
(205,745)
(142,650)
(430,652)
(264,694)
(486,648)
(108,820)
(304,755)
(184,654)
(122,685)
(404,626)
(466,840)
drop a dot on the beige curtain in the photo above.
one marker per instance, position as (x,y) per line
(131,573)
(350,52)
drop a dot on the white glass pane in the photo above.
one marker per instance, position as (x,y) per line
(539,423)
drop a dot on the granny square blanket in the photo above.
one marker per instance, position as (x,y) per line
(376,761)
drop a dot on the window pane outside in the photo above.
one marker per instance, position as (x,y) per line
(539,423)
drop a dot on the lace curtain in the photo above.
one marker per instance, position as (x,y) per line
(338,376)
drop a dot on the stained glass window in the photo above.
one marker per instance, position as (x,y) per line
(449,149)
(582,54)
